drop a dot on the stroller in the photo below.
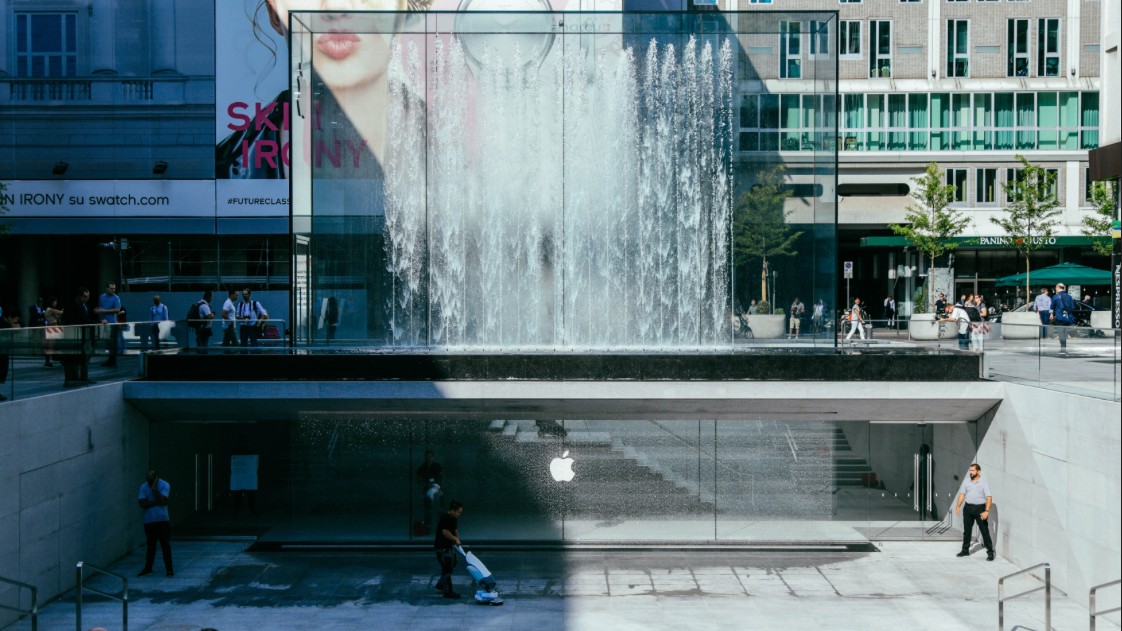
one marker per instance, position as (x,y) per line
(487,594)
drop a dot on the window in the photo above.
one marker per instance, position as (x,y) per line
(790,50)
(46,44)
(880,48)
(1017,35)
(1015,178)
(849,1)
(957,179)
(819,38)
(1087,184)
(958,48)
(985,186)
(849,39)
(1051,179)
(759,1)
(1048,47)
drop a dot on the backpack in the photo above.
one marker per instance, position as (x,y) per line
(975,315)
(194,320)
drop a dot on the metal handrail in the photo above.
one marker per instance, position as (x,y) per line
(1047,587)
(34,611)
(124,597)
(1091,602)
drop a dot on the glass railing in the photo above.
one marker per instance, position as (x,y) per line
(35,361)
(1076,359)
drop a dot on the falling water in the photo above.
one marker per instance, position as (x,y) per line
(583,202)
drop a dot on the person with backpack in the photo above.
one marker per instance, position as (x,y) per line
(198,318)
(1063,313)
(252,315)
(157,313)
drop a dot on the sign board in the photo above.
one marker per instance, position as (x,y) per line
(847,269)
(243,473)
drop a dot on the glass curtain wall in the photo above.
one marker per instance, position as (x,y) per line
(557,181)
(343,478)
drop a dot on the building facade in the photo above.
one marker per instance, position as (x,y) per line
(969,85)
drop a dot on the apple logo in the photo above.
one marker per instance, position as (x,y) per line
(562,468)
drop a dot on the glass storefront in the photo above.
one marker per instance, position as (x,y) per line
(351,480)
(548,180)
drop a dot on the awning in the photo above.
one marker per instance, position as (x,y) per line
(1068,273)
(1058,241)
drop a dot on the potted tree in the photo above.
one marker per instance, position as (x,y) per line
(930,227)
(1029,221)
(761,232)
(1097,227)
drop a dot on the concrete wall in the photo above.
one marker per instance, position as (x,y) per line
(70,467)
(1052,460)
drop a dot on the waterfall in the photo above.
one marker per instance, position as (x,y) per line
(579,203)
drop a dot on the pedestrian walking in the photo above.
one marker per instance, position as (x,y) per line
(1043,308)
(448,536)
(252,316)
(798,310)
(975,493)
(1063,314)
(856,320)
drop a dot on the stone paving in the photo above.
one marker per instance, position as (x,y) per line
(902,585)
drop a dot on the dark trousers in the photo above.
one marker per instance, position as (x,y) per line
(973,513)
(153,532)
(229,336)
(202,337)
(248,334)
(964,340)
(1043,323)
(447,560)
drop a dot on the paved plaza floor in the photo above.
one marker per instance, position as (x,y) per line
(901,585)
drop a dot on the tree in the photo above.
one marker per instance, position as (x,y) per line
(760,228)
(930,224)
(1097,226)
(1030,217)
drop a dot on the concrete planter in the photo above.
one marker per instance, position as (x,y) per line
(1100,321)
(924,327)
(769,326)
(1021,325)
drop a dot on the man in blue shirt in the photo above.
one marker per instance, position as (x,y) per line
(108,306)
(975,492)
(1063,313)
(156,314)
(157,525)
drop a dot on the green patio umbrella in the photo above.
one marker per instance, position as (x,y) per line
(1067,273)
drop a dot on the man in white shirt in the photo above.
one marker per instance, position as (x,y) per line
(252,315)
(975,492)
(957,314)
(229,319)
(856,321)
(1043,308)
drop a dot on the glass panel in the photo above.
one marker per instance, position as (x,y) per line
(983,121)
(875,121)
(960,111)
(1069,120)
(1090,121)
(780,481)
(1026,120)
(1003,120)
(749,110)
(898,122)
(917,104)
(1048,119)
(438,250)
(940,121)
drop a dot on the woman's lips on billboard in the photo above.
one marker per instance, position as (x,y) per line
(337,45)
